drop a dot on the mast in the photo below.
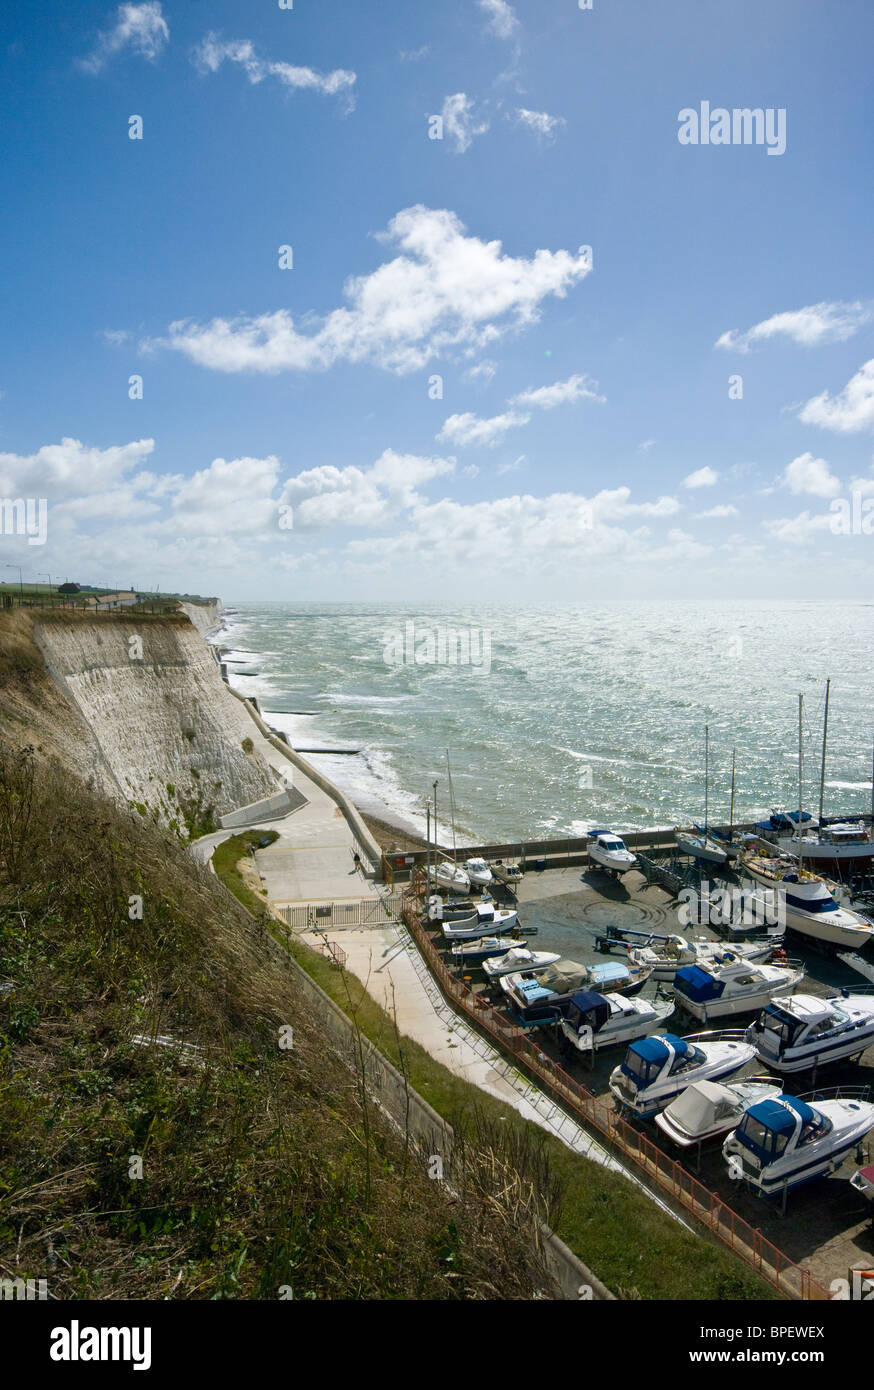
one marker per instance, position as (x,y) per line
(731,803)
(451,807)
(706,772)
(800,774)
(435,822)
(822,770)
(428,844)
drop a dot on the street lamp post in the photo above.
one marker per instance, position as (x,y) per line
(20,585)
(49,578)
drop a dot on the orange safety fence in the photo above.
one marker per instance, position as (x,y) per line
(666,1173)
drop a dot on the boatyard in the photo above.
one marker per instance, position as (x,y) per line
(803,1238)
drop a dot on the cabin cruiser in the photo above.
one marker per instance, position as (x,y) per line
(666,955)
(565,976)
(478,871)
(592,1021)
(657,1069)
(488,920)
(518,958)
(834,844)
(803,1032)
(452,909)
(609,852)
(450,875)
(785,1141)
(703,847)
(735,987)
(478,950)
(711,1109)
(508,873)
(810,907)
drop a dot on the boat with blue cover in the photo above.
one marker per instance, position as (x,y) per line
(657,1069)
(732,987)
(592,1021)
(783,1142)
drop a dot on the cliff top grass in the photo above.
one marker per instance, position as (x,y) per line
(156,1138)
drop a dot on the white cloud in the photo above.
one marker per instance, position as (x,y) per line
(483,371)
(511,467)
(540,122)
(501,17)
(850,410)
(351,496)
(470,429)
(815,324)
(808,474)
(64,470)
(645,445)
(445,290)
(794,530)
(714,513)
(702,477)
(141,29)
(576,388)
(213,51)
(231,495)
(460,123)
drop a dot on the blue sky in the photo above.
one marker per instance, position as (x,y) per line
(274,396)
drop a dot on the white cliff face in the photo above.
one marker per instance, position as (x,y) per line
(170,734)
(204,616)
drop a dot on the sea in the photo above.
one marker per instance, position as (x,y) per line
(539,722)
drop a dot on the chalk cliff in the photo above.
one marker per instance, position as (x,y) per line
(138,707)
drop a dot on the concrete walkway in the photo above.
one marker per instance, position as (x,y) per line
(312,860)
(396,977)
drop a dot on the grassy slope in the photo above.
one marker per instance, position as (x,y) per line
(260,1168)
(613,1227)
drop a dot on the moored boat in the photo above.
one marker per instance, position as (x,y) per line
(808,905)
(609,852)
(479,949)
(733,987)
(592,1021)
(518,958)
(709,1110)
(803,1032)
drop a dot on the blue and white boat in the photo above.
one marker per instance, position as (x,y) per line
(732,987)
(592,1021)
(784,1142)
(805,901)
(610,852)
(804,1032)
(657,1069)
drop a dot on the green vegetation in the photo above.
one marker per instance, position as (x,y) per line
(614,1228)
(226,857)
(261,1167)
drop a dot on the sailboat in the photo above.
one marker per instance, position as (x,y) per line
(445,872)
(809,905)
(841,845)
(702,846)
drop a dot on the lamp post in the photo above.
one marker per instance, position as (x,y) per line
(49,578)
(20,585)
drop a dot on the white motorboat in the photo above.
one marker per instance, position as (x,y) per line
(610,852)
(703,847)
(518,958)
(478,872)
(442,909)
(784,1142)
(839,845)
(593,1021)
(657,1069)
(735,987)
(666,955)
(804,1032)
(711,1109)
(488,920)
(450,875)
(478,950)
(809,906)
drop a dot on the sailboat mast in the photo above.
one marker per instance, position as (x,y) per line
(800,774)
(706,772)
(435,822)
(451,807)
(731,803)
(824,739)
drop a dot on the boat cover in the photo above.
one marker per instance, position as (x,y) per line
(645,1058)
(588,1009)
(609,973)
(562,976)
(697,984)
(701,1106)
(776,1117)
